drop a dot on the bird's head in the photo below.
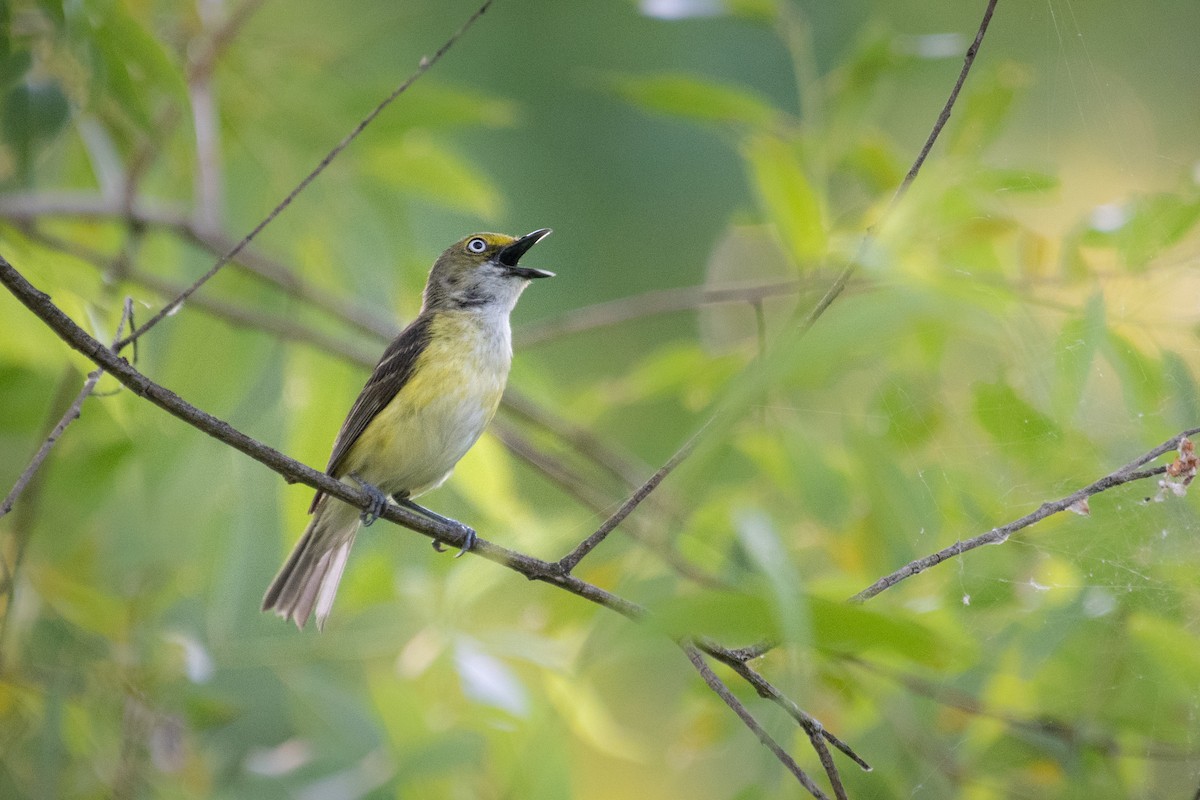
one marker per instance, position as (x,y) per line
(482,270)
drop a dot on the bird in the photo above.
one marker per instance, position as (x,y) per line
(428,400)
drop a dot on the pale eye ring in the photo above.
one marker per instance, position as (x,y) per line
(476,245)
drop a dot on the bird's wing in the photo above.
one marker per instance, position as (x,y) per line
(394,369)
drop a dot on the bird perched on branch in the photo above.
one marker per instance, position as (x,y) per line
(431,395)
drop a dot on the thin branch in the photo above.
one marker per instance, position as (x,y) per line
(736,660)
(944,116)
(293,471)
(22,209)
(717,685)
(72,413)
(661,301)
(558,471)
(843,278)
(571,559)
(425,64)
(1126,474)
(623,467)
(585,492)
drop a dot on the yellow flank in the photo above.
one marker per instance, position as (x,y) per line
(413,444)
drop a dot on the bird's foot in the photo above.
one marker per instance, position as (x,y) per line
(468,533)
(378,501)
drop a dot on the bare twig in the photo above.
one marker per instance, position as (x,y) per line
(737,660)
(585,492)
(73,412)
(1126,474)
(717,685)
(422,68)
(843,278)
(29,208)
(571,559)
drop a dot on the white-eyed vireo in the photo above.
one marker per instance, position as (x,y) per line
(431,395)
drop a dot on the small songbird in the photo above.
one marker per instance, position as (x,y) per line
(431,395)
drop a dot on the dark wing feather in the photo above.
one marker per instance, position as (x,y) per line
(394,369)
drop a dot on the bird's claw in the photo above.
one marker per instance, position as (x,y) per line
(378,502)
(468,540)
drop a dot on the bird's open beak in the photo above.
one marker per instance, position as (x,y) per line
(510,255)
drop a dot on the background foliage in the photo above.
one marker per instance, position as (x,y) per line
(1022,324)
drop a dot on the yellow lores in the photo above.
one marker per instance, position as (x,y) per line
(431,395)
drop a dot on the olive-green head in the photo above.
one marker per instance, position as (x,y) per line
(482,271)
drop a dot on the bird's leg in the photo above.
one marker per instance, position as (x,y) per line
(468,532)
(378,501)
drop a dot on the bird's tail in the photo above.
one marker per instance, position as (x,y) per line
(309,578)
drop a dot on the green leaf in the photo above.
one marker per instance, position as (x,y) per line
(1074,352)
(453,107)
(420,166)
(133,63)
(841,627)
(1010,420)
(1179,377)
(31,114)
(696,99)
(1015,180)
(1141,376)
(979,117)
(1149,225)
(787,197)
(723,615)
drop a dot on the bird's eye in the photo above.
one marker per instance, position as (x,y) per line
(476,245)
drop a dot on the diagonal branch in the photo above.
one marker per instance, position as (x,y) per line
(293,471)
(425,64)
(72,413)
(722,691)
(571,559)
(1126,474)
(817,733)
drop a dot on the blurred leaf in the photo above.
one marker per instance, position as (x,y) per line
(1144,227)
(758,10)
(845,628)
(980,114)
(723,615)
(1183,387)
(786,197)
(31,114)
(441,106)
(25,411)
(80,603)
(696,99)
(486,679)
(13,65)
(913,413)
(577,702)
(1075,351)
(1141,376)
(133,61)
(1011,421)
(1014,180)
(420,166)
